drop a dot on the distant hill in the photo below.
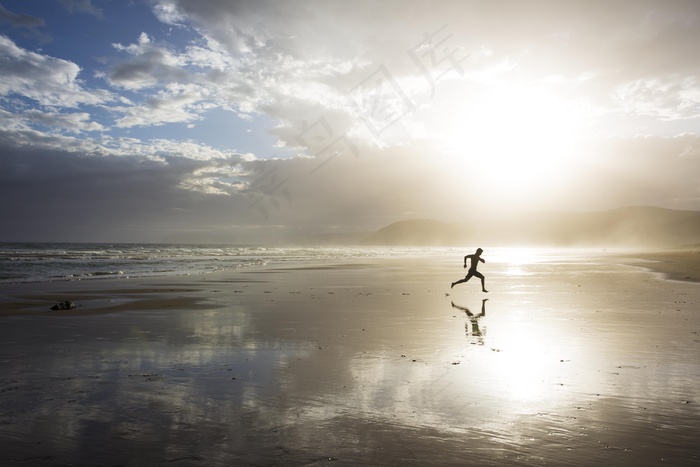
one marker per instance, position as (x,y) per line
(326,239)
(630,226)
(420,232)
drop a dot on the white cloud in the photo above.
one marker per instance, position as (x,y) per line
(175,103)
(74,122)
(666,98)
(210,57)
(47,80)
(168,13)
(189,150)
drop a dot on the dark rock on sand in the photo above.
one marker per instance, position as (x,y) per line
(67,305)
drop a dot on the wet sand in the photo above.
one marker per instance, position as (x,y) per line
(572,360)
(681,264)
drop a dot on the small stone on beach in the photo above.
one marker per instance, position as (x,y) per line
(67,305)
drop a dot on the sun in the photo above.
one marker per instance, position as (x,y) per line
(516,139)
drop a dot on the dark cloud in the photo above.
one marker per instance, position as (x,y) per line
(150,65)
(83,6)
(55,194)
(20,20)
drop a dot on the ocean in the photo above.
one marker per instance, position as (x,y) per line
(49,262)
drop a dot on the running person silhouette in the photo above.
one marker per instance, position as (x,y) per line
(474,262)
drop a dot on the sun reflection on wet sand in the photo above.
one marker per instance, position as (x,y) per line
(568,361)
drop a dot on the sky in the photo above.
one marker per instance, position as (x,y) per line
(241,121)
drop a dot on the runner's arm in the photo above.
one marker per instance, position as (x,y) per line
(465,260)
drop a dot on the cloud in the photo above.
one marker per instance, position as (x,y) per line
(20,20)
(362,96)
(152,190)
(47,80)
(152,64)
(74,122)
(83,6)
(300,61)
(177,103)
(63,186)
(667,98)
(180,86)
(283,63)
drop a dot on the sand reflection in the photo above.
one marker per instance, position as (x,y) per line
(577,362)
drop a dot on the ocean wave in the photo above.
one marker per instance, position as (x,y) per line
(98,273)
(28,262)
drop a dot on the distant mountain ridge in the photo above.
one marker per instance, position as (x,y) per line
(629,226)
(424,232)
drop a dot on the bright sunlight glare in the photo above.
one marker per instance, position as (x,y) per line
(524,362)
(515,138)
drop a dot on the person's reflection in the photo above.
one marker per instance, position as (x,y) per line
(474,334)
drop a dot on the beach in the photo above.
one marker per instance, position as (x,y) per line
(572,358)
